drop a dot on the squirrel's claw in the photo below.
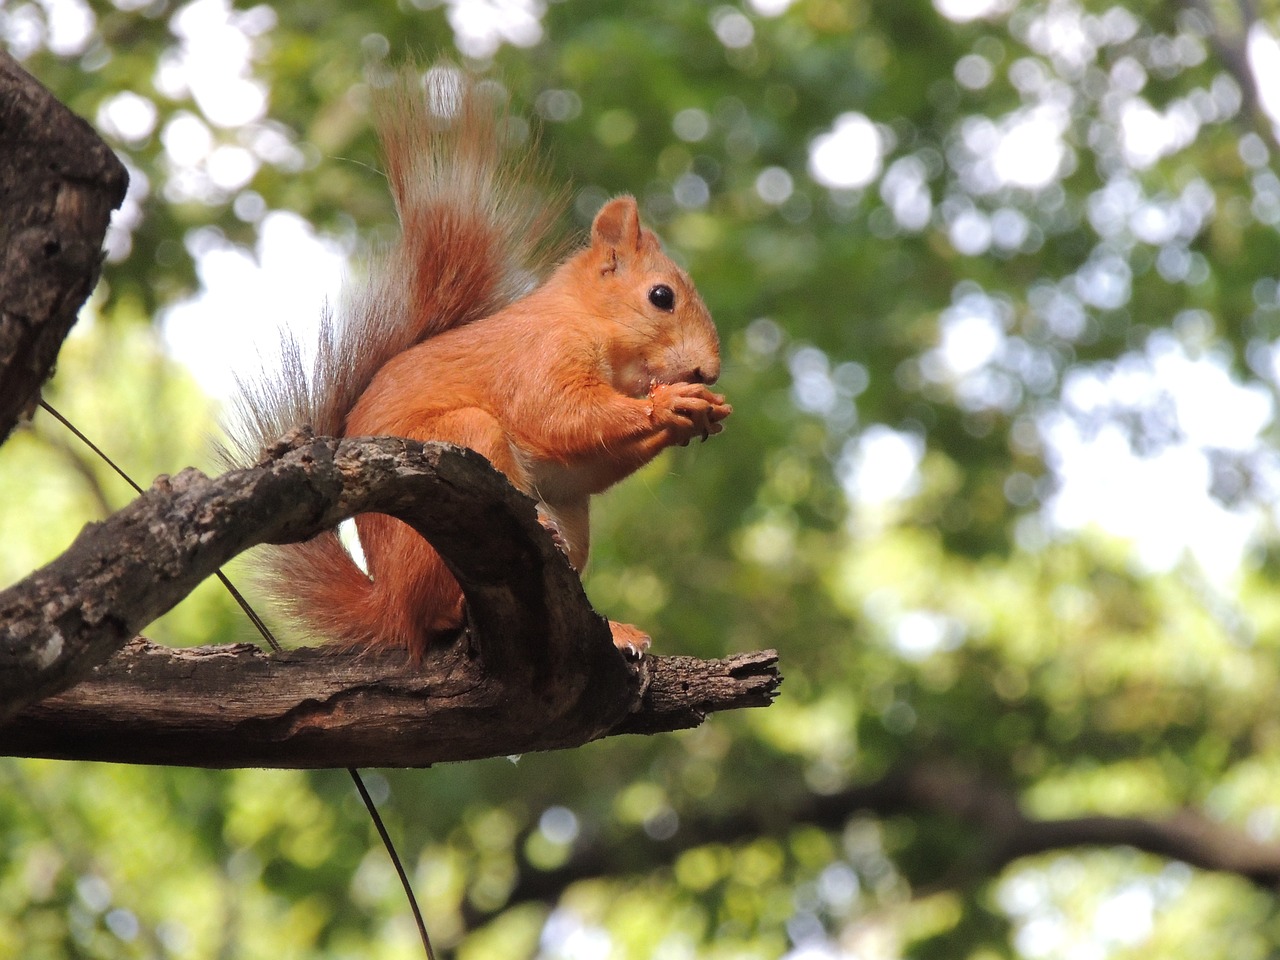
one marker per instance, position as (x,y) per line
(552,527)
(630,640)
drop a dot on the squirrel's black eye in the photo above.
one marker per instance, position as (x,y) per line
(662,297)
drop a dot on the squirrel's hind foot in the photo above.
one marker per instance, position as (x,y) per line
(630,639)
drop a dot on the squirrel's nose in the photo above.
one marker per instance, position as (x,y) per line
(706,374)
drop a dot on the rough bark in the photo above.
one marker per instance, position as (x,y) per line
(119,575)
(237,706)
(536,668)
(58,185)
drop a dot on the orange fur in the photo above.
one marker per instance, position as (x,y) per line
(566,390)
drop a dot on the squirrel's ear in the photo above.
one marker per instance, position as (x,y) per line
(616,229)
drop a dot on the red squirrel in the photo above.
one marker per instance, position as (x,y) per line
(566,387)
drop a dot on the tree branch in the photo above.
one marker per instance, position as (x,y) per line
(1007,833)
(536,669)
(1002,834)
(121,574)
(60,183)
(235,706)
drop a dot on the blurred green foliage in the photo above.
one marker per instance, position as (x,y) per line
(1033,212)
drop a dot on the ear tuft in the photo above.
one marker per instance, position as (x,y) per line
(617,225)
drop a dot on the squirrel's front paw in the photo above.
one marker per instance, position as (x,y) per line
(689,409)
(631,640)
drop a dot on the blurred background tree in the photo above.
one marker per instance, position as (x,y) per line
(999,289)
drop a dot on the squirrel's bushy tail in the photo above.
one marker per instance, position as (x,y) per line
(476,217)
